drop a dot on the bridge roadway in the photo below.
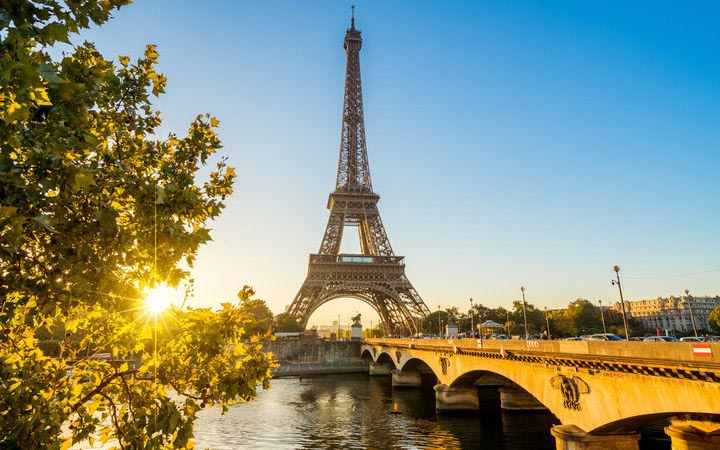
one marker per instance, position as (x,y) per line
(601,392)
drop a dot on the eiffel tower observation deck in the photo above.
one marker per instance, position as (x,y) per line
(375,275)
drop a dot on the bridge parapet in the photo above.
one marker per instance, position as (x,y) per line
(600,388)
(705,354)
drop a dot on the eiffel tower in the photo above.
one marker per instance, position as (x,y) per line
(376,275)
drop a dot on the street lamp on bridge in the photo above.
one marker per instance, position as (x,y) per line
(522,289)
(547,322)
(439,323)
(692,316)
(622,302)
(472,319)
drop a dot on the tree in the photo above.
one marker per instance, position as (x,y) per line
(93,213)
(585,316)
(261,315)
(285,322)
(714,319)
(434,322)
(561,324)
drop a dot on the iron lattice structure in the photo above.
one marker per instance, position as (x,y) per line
(375,276)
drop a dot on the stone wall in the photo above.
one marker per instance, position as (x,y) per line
(313,351)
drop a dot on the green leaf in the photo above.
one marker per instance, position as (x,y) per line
(45,221)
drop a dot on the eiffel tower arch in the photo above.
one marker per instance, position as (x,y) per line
(376,275)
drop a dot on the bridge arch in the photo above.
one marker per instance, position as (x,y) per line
(385,358)
(366,355)
(481,378)
(418,365)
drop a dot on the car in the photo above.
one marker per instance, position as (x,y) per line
(662,339)
(712,339)
(603,337)
(692,339)
(574,338)
(637,338)
(501,337)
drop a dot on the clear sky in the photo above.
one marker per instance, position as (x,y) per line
(515,143)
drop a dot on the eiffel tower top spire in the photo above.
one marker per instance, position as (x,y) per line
(353,168)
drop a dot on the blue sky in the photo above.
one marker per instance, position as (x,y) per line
(532,144)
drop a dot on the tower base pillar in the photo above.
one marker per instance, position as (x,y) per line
(406,379)
(379,369)
(693,434)
(570,437)
(456,398)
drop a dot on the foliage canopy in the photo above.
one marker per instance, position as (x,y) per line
(94,210)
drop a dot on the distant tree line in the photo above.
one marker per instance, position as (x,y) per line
(580,317)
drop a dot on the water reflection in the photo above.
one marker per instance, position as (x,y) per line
(353,412)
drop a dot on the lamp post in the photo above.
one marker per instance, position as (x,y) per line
(692,316)
(472,319)
(522,289)
(547,322)
(622,302)
(439,324)
(602,316)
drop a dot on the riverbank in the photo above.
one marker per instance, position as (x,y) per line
(295,370)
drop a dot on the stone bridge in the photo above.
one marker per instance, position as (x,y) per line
(600,392)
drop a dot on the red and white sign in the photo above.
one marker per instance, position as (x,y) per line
(702,350)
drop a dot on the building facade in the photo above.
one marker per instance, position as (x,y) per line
(672,314)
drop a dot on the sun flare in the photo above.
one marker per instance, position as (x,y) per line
(159,298)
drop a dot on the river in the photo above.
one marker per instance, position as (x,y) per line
(354,412)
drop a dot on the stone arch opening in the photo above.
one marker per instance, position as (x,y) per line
(494,388)
(482,378)
(384,358)
(366,355)
(427,374)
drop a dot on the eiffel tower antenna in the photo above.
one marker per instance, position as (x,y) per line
(375,275)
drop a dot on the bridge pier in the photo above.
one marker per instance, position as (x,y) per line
(379,369)
(456,398)
(570,437)
(515,398)
(406,379)
(693,434)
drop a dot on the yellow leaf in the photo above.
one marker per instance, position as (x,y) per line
(42,97)
(66,444)
(230,172)
(124,60)
(214,122)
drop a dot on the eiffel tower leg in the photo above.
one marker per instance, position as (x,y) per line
(333,235)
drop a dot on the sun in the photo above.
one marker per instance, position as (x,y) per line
(159,298)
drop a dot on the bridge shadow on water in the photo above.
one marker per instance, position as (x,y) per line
(489,428)
(354,411)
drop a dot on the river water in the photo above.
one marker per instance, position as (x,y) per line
(354,412)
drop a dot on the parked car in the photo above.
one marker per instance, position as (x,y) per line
(662,339)
(603,337)
(637,338)
(692,339)
(499,336)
